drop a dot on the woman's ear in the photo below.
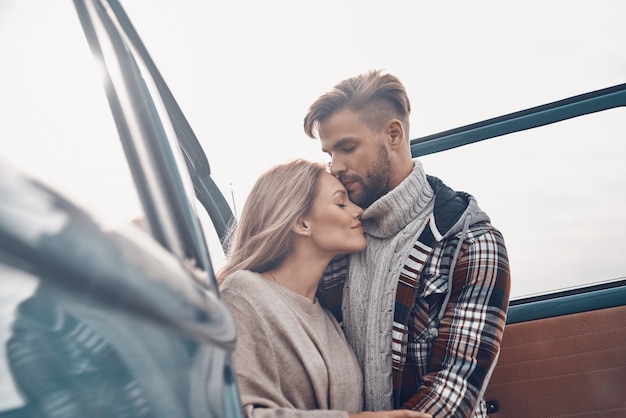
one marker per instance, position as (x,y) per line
(302,227)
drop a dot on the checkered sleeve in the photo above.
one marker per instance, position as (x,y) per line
(465,346)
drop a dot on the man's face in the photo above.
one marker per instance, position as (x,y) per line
(359,157)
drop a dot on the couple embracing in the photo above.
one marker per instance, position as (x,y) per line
(367,288)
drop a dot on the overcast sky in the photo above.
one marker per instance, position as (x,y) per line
(245,72)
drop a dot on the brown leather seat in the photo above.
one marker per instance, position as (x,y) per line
(566,366)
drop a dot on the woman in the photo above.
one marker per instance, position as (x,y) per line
(291,357)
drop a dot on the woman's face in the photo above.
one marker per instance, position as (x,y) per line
(335,221)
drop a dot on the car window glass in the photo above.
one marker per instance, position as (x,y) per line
(56,122)
(214,243)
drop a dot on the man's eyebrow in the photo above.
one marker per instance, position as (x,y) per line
(342,142)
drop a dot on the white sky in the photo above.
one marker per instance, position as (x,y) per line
(245,72)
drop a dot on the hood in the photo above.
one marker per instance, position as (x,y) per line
(453,209)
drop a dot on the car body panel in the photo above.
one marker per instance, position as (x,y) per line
(123,292)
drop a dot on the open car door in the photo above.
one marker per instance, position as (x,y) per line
(564,351)
(120,322)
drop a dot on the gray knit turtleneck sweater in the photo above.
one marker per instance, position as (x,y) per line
(392,224)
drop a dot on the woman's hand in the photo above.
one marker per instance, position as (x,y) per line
(399,413)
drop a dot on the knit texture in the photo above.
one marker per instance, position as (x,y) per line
(292,359)
(426,327)
(392,223)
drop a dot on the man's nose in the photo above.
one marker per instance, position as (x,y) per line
(336,166)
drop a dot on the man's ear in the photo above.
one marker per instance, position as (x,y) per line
(395,132)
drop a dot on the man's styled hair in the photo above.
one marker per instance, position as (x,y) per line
(374,96)
(263,236)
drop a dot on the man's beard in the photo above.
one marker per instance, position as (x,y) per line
(376,182)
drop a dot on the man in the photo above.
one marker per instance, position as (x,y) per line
(424,305)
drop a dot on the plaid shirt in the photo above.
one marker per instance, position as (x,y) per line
(447,328)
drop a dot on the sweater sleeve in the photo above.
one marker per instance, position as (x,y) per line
(467,345)
(258,370)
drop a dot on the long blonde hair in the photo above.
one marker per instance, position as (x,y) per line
(263,238)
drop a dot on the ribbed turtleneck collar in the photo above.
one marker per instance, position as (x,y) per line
(396,209)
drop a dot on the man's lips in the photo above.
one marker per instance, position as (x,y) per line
(348,183)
